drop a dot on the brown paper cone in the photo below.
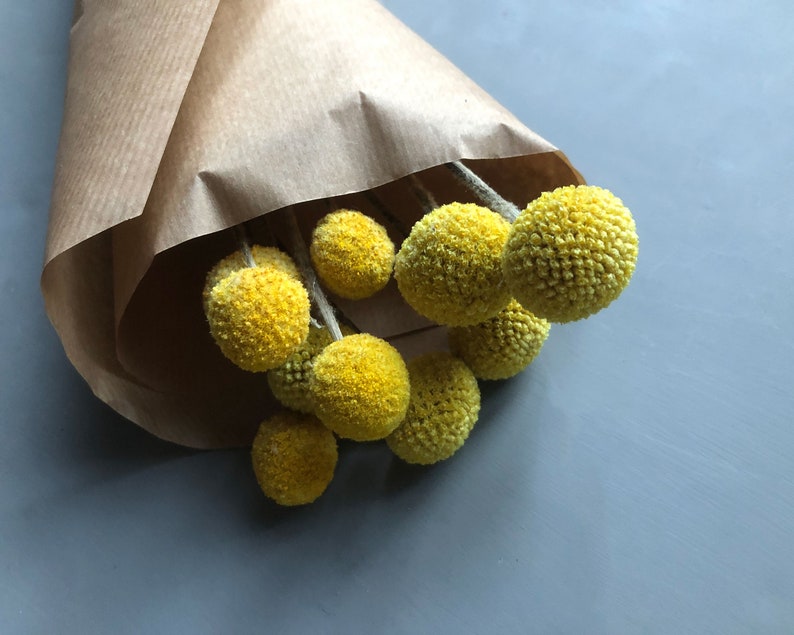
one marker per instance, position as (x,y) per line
(183,119)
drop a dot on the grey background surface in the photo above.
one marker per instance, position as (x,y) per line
(638,479)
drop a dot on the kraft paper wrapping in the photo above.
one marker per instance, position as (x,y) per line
(184,119)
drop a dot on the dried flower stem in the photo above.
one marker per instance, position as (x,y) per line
(301,255)
(425,196)
(384,211)
(485,192)
(245,245)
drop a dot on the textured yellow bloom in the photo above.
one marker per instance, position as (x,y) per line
(294,457)
(258,316)
(360,387)
(352,254)
(502,346)
(263,257)
(290,381)
(449,268)
(445,403)
(570,253)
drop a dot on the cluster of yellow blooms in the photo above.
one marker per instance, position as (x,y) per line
(570,253)
(501,346)
(497,286)
(444,404)
(258,317)
(289,382)
(449,269)
(352,254)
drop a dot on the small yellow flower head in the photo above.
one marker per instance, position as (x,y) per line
(571,252)
(360,387)
(290,381)
(258,316)
(502,346)
(352,254)
(294,457)
(445,403)
(263,257)
(449,268)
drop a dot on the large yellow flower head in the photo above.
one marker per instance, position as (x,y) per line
(570,253)
(449,268)
(294,457)
(352,254)
(258,316)
(502,346)
(445,403)
(263,257)
(290,381)
(360,387)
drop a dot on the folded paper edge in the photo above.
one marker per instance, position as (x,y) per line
(79,147)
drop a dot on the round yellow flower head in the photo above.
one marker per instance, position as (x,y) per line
(352,254)
(445,403)
(502,346)
(571,252)
(449,268)
(290,381)
(294,457)
(360,387)
(263,257)
(258,316)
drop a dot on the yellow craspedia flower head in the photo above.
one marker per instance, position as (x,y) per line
(360,387)
(352,254)
(570,253)
(290,381)
(263,257)
(502,346)
(449,268)
(445,403)
(294,457)
(258,316)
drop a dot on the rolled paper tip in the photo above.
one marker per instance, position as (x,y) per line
(449,268)
(360,387)
(263,257)
(290,382)
(258,317)
(570,253)
(444,406)
(502,346)
(294,457)
(352,254)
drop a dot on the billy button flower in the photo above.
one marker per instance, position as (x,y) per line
(502,346)
(352,254)
(289,382)
(258,316)
(294,457)
(444,406)
(570,253)
(262,257)
(449,267)
(359,383)
(360,387)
